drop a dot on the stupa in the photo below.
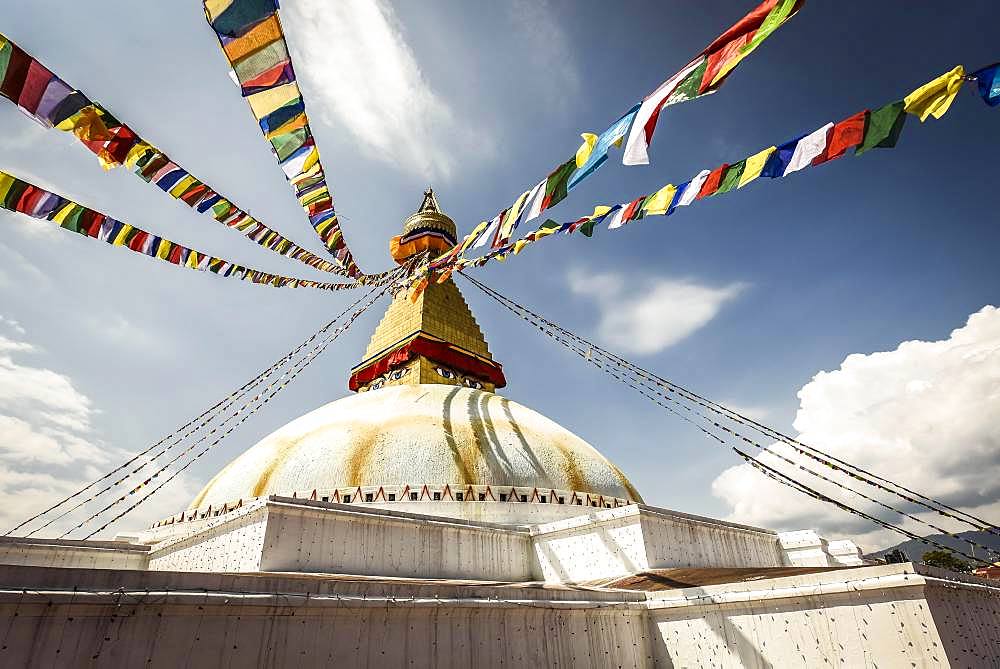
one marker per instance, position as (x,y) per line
(425,520)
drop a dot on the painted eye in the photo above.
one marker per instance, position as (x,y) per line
(446,373)
(472,383)
(378,383)
(397,374)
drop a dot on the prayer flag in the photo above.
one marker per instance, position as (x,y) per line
(988,83)
(754,165)
(883,127)
(647,116)
(599,154)
(935,97)
(583,153)
(658,203)
(712,182)
(731,178)
(780,157)
(693,189)
(233,18)
(716,61)
(488,233)
(808,148)
(845,135)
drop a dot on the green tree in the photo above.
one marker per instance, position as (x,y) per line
(946,560)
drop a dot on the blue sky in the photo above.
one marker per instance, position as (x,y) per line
(755,292)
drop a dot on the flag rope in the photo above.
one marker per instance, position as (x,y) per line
(251,407)
(586,351)
(205,417)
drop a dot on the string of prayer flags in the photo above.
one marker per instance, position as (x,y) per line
(862,132)
(55,104)
(706,73)
(702,76)
(20,196)
(251,37)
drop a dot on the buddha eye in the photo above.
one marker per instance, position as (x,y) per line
(397,374)
(472,383)
(446,373)
(378,383)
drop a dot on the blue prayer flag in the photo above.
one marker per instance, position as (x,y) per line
(988,79)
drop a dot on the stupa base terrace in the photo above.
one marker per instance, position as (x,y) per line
(372,585)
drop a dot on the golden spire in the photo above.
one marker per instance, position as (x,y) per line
(434,339)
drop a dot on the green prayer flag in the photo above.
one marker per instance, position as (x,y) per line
(5,51)
(772,22)
(72,220)
(731,178)
(555,185)
(14,194)
(883,127)
(688,88)
(287,144)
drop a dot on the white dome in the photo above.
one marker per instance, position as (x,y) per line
(417,435)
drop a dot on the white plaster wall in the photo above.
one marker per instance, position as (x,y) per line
(589,548)
(181,624)
(967,618)
(76,554)
(806,548)
(680,540)
(357,541)
(886,616)
(505,513)
(229,543)
(617,542)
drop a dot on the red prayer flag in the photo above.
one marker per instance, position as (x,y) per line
(719,58)
(844,135)
(17,72)
(29,198)
(136,242)
(712,182)
(632,209)
(94,227)
(36,81)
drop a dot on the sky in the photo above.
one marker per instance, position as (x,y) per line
(850,303)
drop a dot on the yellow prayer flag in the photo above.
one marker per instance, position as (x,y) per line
(512,215)
(599,211)
(755,165)
(119,239)
(87,125)
(60,216)
(265,102)
(213,8)
(545,232)
(164,249)
(6,181)
(520,244)
(660,202)
(583,153)
(473,236)
(311,161)
(135,153)
(182,186)
(935,97)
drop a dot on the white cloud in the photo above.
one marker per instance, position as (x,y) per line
(923,414)
(549,47)
(645,316)
(11,324)
(49,448)
(364,77)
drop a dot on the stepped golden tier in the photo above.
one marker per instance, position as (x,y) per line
(425,424)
